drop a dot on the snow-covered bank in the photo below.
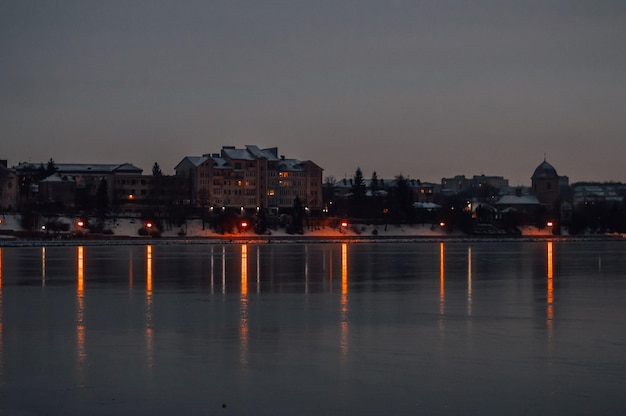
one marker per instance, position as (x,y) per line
(125,231)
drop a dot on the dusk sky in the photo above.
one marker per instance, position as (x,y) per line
(423,88)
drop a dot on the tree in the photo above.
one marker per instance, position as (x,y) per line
(102,197)
(297,217)
(374,184)
(402,199)
(50,168)
(358,194)
(156,170)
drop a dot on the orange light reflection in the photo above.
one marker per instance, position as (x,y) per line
(80,313)
(343,343)
(550,289)
(43,266)
(469,281)
(148,317)
(1,327)
(442,291)
(243,322)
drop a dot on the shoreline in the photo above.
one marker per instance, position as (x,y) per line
(290,239)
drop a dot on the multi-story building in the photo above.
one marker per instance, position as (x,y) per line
(478,183)
(249,178)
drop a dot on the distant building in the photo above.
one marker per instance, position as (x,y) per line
(585,193)
(545,183)
(478,183)
(249,178)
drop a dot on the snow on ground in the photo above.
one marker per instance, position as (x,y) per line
(129,227)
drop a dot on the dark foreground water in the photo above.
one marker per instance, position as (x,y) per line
(517,328)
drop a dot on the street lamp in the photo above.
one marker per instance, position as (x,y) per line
(149,228)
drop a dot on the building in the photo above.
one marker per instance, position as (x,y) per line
(545,183)
(249,178)
(478,184)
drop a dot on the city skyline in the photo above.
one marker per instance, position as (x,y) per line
(413,88)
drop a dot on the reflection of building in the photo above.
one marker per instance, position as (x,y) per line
(251,177)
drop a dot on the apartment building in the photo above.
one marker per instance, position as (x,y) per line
(251,177)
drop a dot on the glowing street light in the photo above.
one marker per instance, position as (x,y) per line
(550,223)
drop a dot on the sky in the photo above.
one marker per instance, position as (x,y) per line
(426,89)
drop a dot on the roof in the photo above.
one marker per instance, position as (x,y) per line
(57,178)
(545,171)
(518,200)
(269,154)
(239,154)
(94,168)
(290,165)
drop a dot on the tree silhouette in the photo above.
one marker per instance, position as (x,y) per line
(156,170)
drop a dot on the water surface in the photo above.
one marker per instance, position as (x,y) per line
(377,328)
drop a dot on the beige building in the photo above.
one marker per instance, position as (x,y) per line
(249,178)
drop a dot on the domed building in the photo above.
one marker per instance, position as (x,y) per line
(545,183)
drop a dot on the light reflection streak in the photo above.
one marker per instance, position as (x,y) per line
(469,281)
(148,316)
(550,291)
(442,290)
(212,271)
(330,271)
(223,270)
(130,270)
(343,344)
(1,327)
(258,269)
(43,266)
(80,313)
(306,269)
(243,322)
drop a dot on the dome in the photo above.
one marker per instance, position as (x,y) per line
(545,171)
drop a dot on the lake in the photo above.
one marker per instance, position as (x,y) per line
(509,327)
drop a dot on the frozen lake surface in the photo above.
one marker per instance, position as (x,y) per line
(453,328)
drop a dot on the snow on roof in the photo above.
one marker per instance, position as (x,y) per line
(290,165)
(269,154)
(518,200)
(426,205)
(57,178)
(233,153)
(96,168)
(220,163)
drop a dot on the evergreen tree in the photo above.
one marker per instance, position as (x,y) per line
(50,168)
(358,194)
(297,217)
(102,198)
(374,185)
(156,170)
